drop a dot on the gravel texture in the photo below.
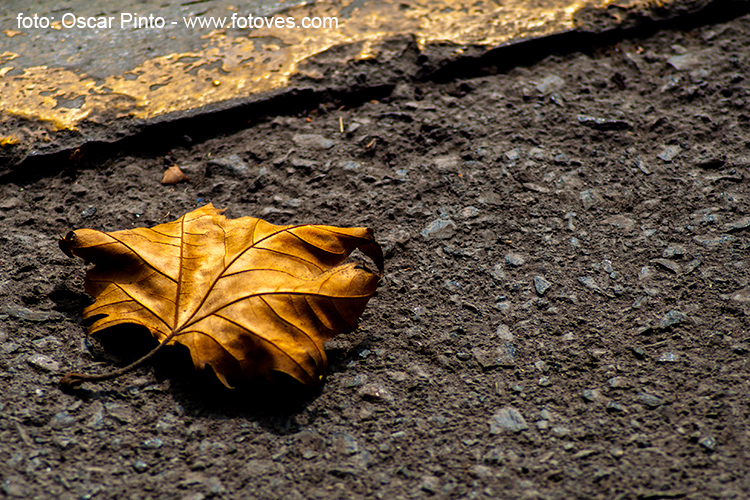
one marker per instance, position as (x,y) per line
(564,312)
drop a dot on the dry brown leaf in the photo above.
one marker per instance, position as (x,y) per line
(173,175)
(245,296)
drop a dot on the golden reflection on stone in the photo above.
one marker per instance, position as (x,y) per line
(8,140)
(231,67)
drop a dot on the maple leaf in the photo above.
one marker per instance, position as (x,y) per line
(244,296)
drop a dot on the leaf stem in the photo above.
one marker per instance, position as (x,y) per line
(73,380)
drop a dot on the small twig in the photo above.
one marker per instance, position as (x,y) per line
(73,380)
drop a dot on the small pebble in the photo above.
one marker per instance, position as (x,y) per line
(714,242)
(152,444)
(743,223)
(503,355)
(49,342)
(515,259)
(590,283)
(27,314)
(668,357)
(470,307)
(646,273)
(614,407)
(440,229)
(312,141)
(120,412)
(356,381)
(507,419)
(547,85)
(685,61)
(96,419)
(345,444)
(708,442)
(364,353)
(62,420)
(642,166)
(541,285)
(230,164)
(692,266)
(668,265)
(585,454)
(10,347)
(497,272)
(504,333)
(214,486)
(430,484)
(560,431)
(9,203)
(561,159)
(89,212)
(668,153)
(140,466)
(600,123)
(589,198)
(469,212)
(303,164)
(43,362)
(619,383)
(448,163)
(589,395)
(15,486)
(376,392)
(649,400)
(672,318)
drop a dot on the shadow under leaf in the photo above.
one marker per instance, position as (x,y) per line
(271,403)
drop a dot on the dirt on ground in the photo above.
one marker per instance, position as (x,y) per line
(564,311)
